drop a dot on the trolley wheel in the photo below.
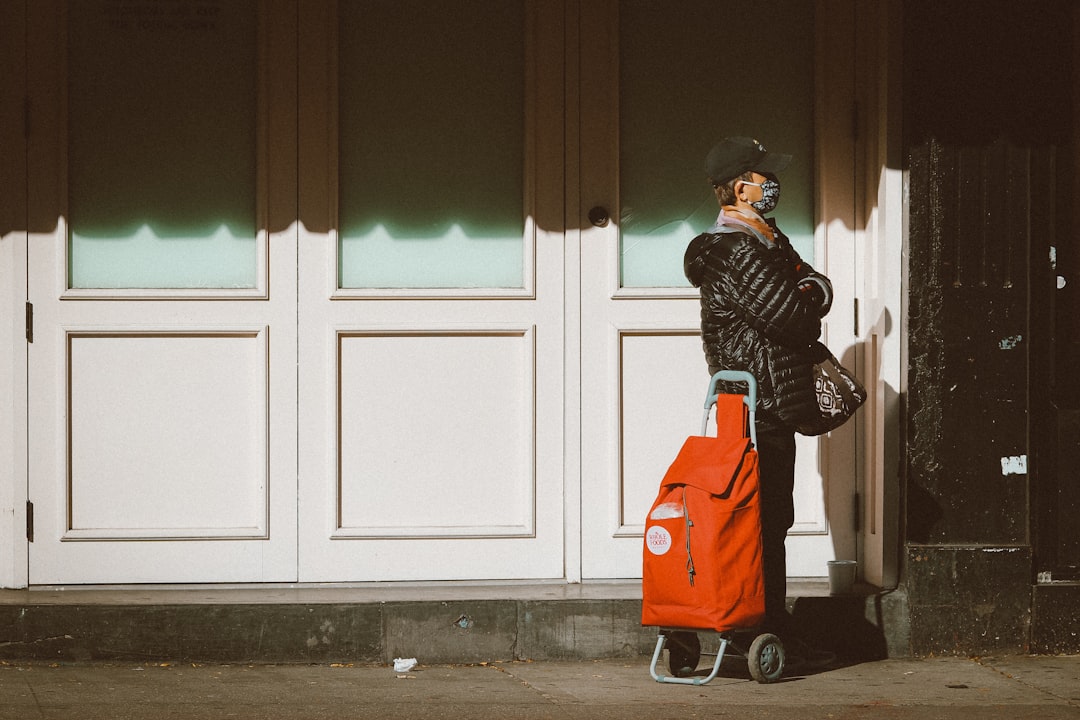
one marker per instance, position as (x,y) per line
(766,658)
(684,652)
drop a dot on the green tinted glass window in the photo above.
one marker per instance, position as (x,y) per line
(691,74)
(431,144)
(161,144)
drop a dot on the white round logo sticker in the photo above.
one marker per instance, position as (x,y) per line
(658,540)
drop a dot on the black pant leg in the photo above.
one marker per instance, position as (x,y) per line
(777,468)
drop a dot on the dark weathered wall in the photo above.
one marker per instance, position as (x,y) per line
(986,111)
(969,342)
(969,558)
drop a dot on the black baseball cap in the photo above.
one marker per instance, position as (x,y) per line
(733,156)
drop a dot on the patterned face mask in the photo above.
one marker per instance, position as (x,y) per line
(770,196)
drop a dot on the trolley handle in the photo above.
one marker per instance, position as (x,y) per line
(750,398)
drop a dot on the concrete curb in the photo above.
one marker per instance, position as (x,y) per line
(322,627)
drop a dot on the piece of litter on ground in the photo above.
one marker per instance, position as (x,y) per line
(402,665)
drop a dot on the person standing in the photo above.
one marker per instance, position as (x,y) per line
(761,311)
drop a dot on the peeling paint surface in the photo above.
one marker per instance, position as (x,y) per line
(1010,343)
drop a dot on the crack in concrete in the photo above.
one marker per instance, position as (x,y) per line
(17,643)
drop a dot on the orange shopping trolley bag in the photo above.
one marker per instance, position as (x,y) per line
(701,560)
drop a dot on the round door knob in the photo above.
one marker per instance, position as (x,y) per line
(598,216)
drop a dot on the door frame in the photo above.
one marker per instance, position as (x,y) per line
(880,235)
(15,226)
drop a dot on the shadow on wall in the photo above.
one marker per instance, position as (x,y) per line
(852,627)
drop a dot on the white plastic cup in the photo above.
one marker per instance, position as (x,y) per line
(842,576)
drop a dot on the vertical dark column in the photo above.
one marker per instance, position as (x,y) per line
(987,110)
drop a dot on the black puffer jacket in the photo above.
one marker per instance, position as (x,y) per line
(756,317)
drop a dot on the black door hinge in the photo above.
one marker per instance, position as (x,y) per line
(29,322)
(29,521)
(856,512)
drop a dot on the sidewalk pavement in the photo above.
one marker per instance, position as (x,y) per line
(1044,687)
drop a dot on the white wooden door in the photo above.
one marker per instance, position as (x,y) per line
(656,94)
(431,296)
(162,256)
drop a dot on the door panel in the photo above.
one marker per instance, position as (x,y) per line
(207,473)
(436,457)
(648,409)
(431,299)
(644,137)
(162,369)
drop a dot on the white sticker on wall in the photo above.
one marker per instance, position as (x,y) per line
(1014,465)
